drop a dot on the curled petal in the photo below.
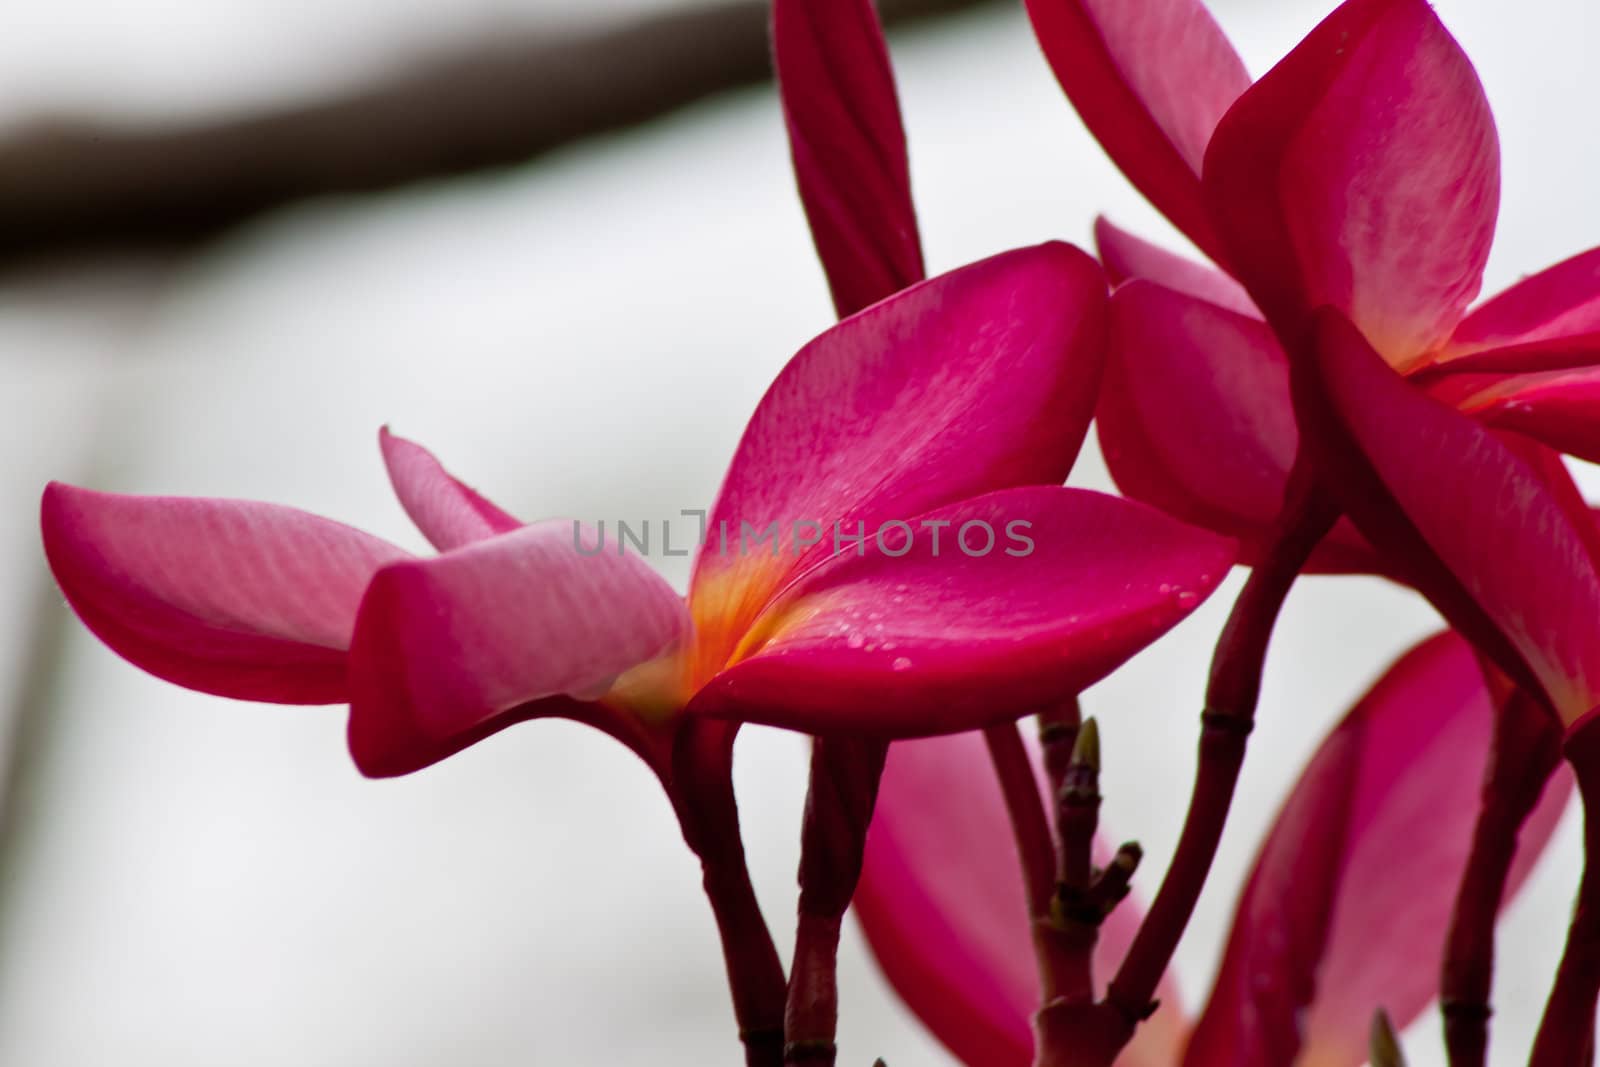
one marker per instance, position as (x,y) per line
(1560,301)
(849,147)
(1126,257)
(941,902)
(1150,80)
(1196,418)
(450,649)
(1324,936)
(246,600)
(976,380)
(1507,539)
(1029,595)
(448,513)
(1558,408)
(1363,172)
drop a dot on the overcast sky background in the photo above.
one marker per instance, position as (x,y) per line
(206,882)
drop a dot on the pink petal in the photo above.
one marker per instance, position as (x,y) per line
(448,513)
(941,902)
(1559,408)
(849,147)
(1125,256)
(1486,514)
(1326,935)
(456,647)
(979,379)
(1557,302)
(1150,80)
(246,600)
(1362,172)
(1195,418)
(938,640)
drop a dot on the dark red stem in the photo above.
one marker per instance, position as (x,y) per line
(1231,698)
(1566,1033)
(1526,748)
(839,802)
(702,791)
(1058,732)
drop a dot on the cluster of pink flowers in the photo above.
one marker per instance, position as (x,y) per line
(1321,397)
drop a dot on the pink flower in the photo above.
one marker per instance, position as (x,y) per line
(1323,936)
(1359,177)
(960,402)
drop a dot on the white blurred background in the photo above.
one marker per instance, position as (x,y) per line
(191,881)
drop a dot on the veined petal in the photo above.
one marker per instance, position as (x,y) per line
(941,902)
(1489,516)
(1150,81)
(1196,418)
(246,600)
(1558,408)
(1559,301)
(976,380)
(1325,936)
(1126,257)
(456,647)
(849,147)
(448,513)
(1362,172)
(913,638)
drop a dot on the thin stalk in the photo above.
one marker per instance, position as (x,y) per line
(1526,748)
(833,837)
(1231,697)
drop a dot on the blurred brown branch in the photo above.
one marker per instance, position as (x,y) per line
(69,187)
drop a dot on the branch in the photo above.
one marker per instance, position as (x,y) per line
(74,186)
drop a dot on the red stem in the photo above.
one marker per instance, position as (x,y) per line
(1566,1033)
(1525,751)
(1229,715)
(839,802)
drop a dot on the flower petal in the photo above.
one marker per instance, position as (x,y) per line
(849,147)
(456,647)
(448,513)
(976,380)
(1195,418)
(1125,256)
(1150,80)
(1558,408)
(947,636)
(1492,519)
(1362,172)
(941,902)
(1325,936)
(1557,302)
(246,600)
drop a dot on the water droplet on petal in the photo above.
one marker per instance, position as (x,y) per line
(855,640)
(901,663)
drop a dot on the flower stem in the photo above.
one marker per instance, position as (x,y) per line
(702,791)
(1566,1033)
(1526,748)
(1058,733)
(1231,697)
(833,838)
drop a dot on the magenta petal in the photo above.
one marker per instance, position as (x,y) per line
(1195,418)
(242,599)
(1558,408)
(1560,301)
(1326,935)
(1362,172)
(456,646)
(1150,80)
(945,638)
(1126,257)
(941,902)
(448,513)
(849,147)
(976,380)
(1487,515)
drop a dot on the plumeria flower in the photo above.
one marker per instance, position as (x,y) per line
(1322,937)
(957,403)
